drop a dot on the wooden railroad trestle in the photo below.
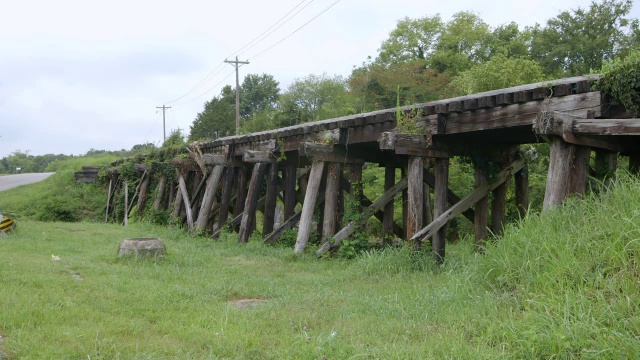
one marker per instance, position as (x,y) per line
(319,165)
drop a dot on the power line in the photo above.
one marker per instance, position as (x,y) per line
(246,47)
(295,31)
(274,30)
(205,92)
(210,75)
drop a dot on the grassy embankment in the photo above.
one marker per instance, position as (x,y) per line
(563,284)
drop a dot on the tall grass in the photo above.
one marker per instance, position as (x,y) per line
(563,284)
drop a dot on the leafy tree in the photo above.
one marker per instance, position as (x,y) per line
(412,39)
(314,98)
(218,118)
(576,41)
(175,138)
(498,73)
(509,40)
(258,93)
(375,86)
(463,44)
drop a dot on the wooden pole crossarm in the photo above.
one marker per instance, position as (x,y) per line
(468,201)
(366,214)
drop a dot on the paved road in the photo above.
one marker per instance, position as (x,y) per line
(10,181)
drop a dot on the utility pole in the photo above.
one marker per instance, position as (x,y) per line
(237,63)
(164,131)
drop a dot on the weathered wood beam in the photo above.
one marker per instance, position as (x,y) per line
(366,214)
(568,165)
(331,200)
(481,220)
(452,198)
(415,190)
(521,180)
(241,190)
(249,214)
(126,203)
(160,191)
(414,145)
(225,196)
(185,199)
(142,193)
(255,156)
(514,115)
(327,153)
(289,223)
(441,188)
(271,199)
(617,127)
(290,179)
(216,159)
(208,197)
(499,207)
(308,207)
(467,202)
(387,221)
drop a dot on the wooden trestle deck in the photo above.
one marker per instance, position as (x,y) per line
(320,165)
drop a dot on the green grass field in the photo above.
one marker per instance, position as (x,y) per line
(565,284)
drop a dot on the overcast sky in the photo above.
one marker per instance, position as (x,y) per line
(77,75)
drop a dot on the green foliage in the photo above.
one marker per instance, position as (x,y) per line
(576,41)
(463,44)
(406,119)
(218,119)
(314,98)
(411,40)
(621,81)
(258,93)
(28,163)
(498,73)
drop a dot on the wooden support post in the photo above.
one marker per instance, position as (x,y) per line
(415,190)
(405,204)
(241,190)
(177,203)
(331,200)
(225,198)
(442,185)
(270,199)
(428,205)
(162,184)
(250,207)
(521,179)
(481,220)
(387,221)
(606,165)
(568,165)
(142,194)
(499,207)
(110,192)
(366,214)
(185,199)
(126,203)
(172,194)
(468,201)
(309,205)
(209,197)
(290,178)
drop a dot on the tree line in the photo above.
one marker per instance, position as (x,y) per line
(428,58)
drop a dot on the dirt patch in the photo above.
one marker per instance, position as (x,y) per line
(246,303)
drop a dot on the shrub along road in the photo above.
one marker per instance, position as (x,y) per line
(11,181)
